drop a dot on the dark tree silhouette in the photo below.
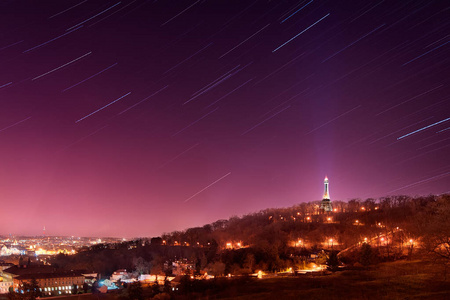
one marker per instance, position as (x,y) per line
(333,261)
(135,291)
(366,255)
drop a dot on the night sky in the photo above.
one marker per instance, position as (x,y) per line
(134,118)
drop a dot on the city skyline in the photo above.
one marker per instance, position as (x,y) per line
(134,118)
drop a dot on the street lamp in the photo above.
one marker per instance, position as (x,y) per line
(411,244)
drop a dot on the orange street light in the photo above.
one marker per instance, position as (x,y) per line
(330,241)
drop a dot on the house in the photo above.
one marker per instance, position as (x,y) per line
(121,275)
(180,267)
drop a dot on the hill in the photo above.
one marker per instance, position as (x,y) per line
(277,239)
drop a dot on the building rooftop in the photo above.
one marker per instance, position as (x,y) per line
(38,272)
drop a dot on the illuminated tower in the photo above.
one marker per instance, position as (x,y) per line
(325,205)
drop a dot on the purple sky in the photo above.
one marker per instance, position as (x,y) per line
(135,118)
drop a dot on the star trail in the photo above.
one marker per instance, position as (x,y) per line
(180,113)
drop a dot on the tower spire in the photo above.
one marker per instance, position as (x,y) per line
(325,205)
(326,193)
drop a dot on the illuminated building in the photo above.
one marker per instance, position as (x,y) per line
(4,287)
(180,267)
(325,205)
(50,280)
(121,275)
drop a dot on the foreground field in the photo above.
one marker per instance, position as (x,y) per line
(394,280)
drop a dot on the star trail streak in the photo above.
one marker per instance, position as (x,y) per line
(193,123)
(145,99)
(61,12)
(421,182)
(101,108)
(352,43)
(229,93)
(54,39)
(334,119)
(423,128)
(184,10)
(90,77)
(120,9)
(265,120)
(288,41)
(443,130)
(401,129)
(17,123)
(62,66)
(87,20)
(297,11)
(207,187)
(6,84)
(184,60)
(10,45)
(410,99)
(177,156)
(416,58)
(213,84)
(244,41)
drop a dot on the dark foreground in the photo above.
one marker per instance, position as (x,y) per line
(396,280)
(393,280)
